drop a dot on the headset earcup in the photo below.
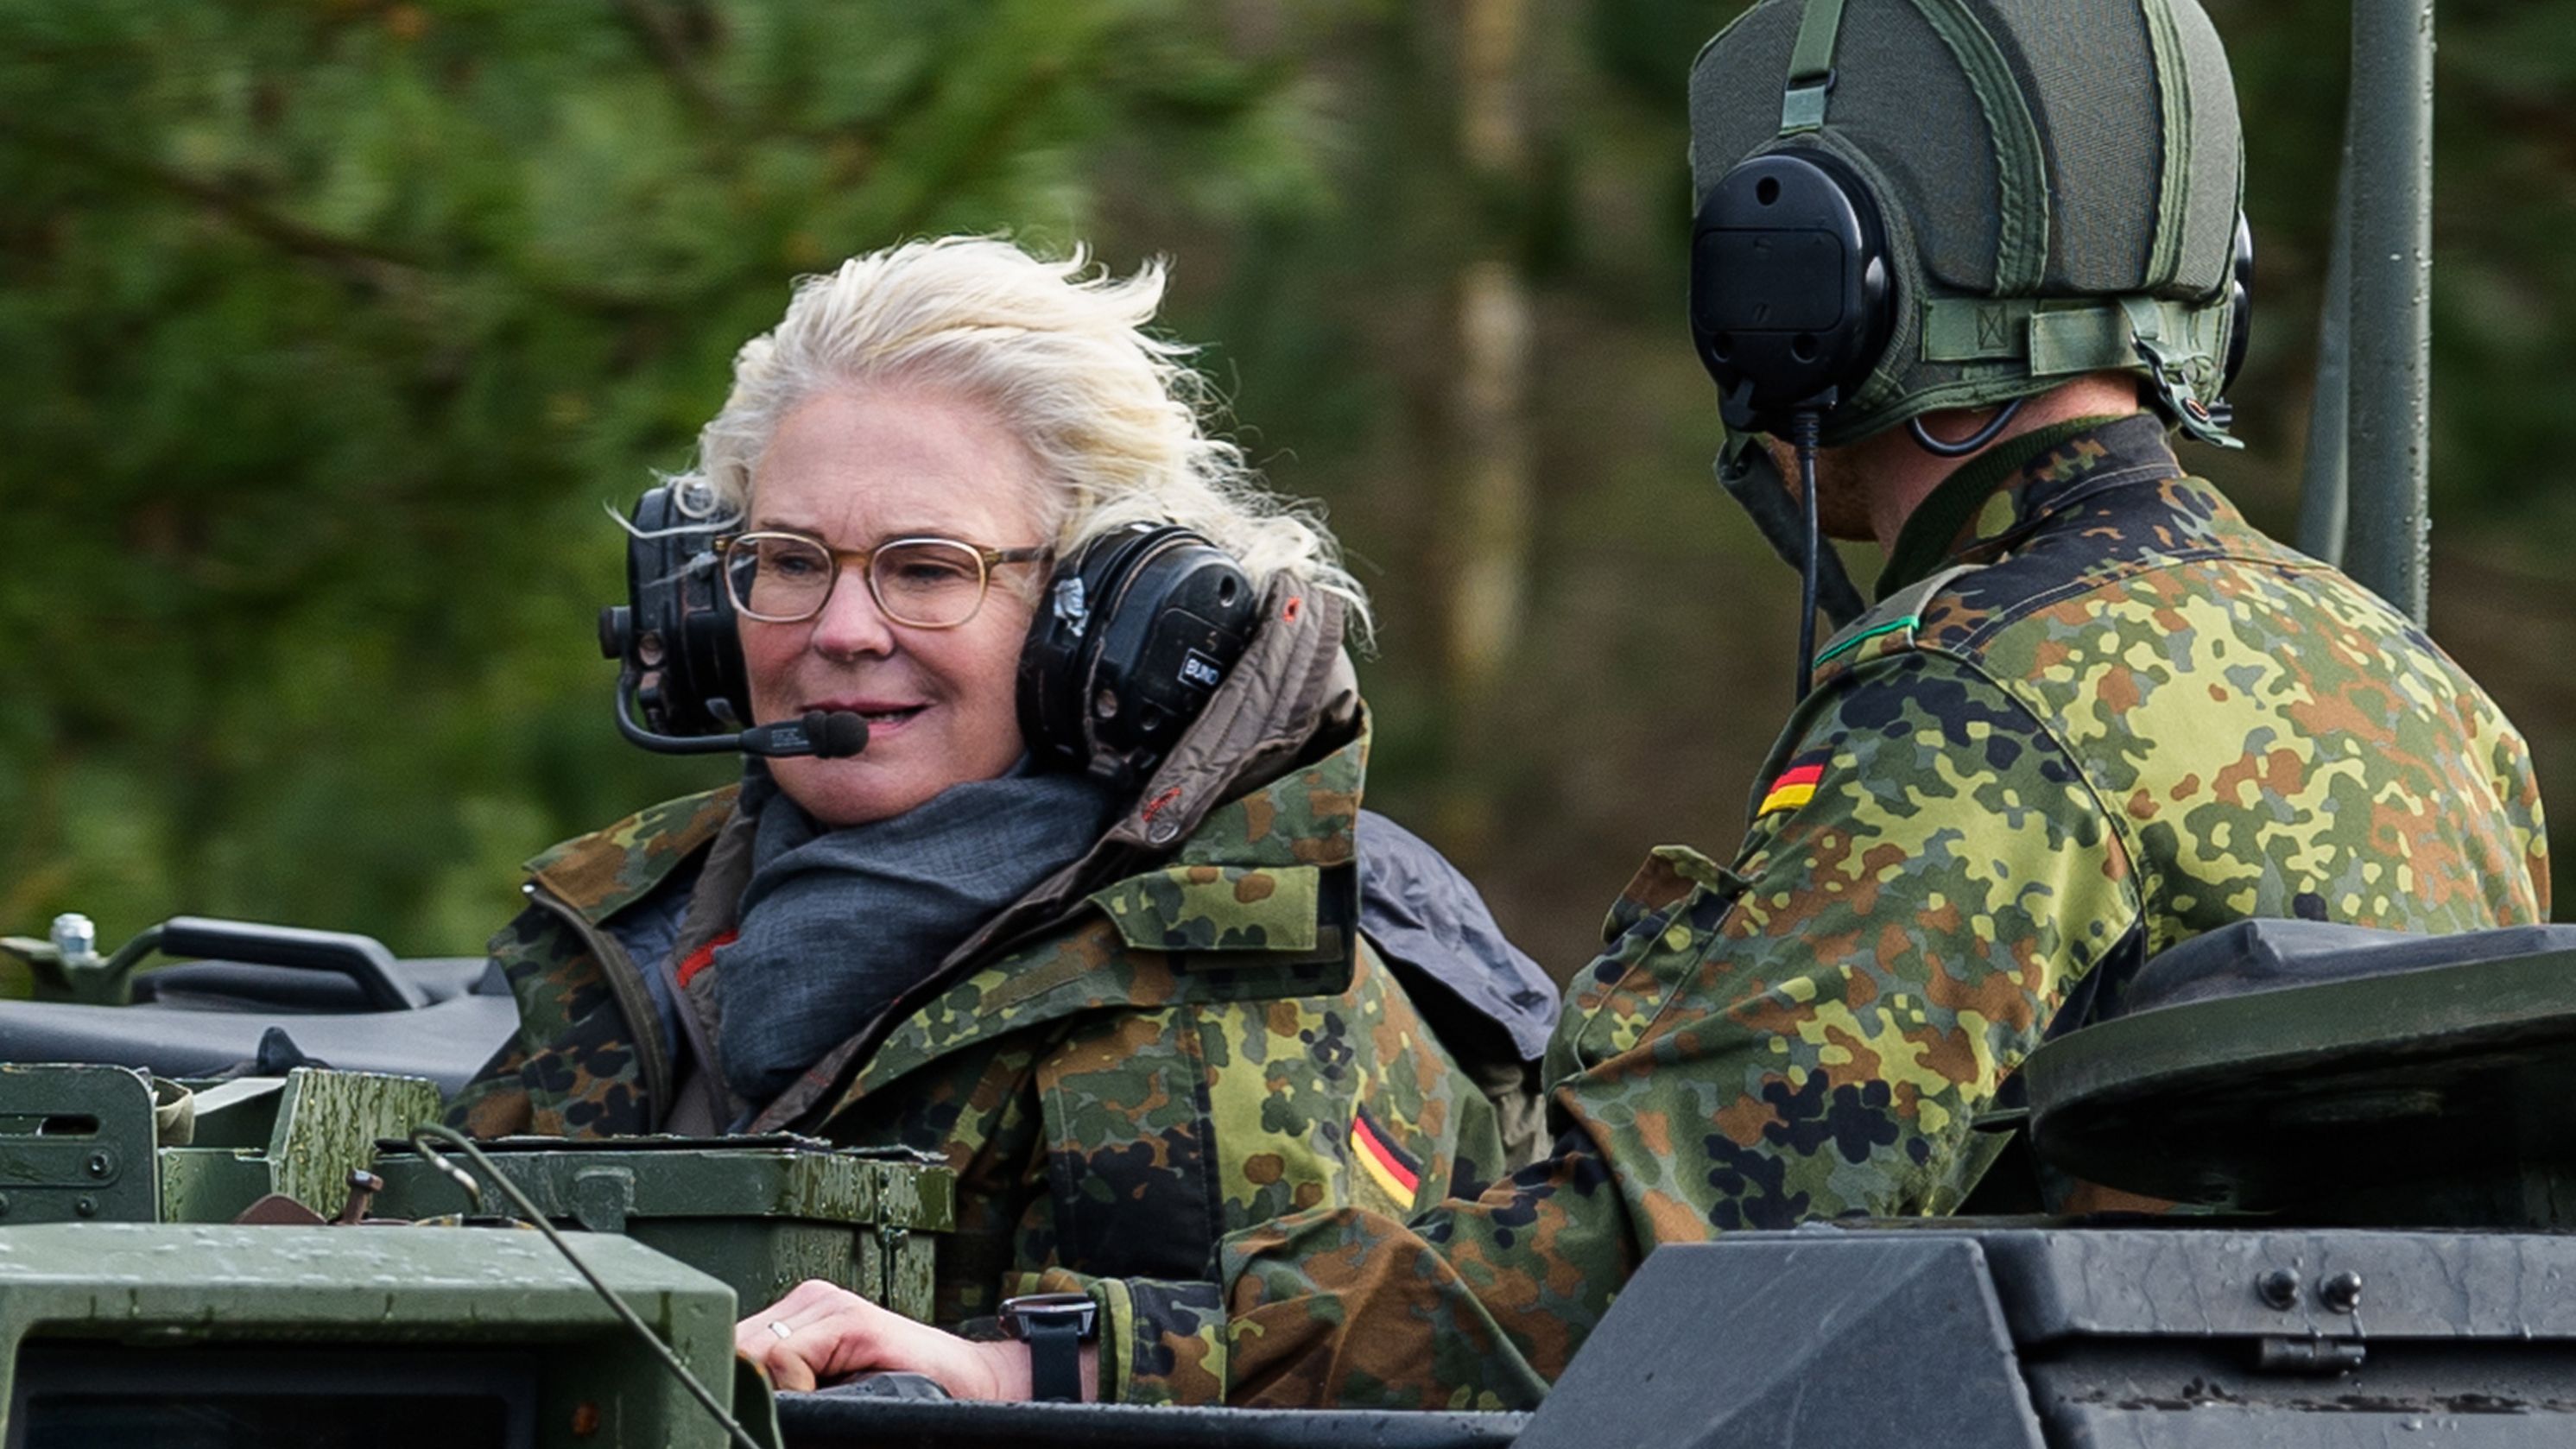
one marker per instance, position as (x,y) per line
(1065,638)
(1050,668)
(715,644)
(2240,327)
(681,637)
(1792,290)
(1132,636)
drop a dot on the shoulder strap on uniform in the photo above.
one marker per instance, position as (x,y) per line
(1902,610)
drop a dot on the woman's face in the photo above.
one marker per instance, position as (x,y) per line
(855,468)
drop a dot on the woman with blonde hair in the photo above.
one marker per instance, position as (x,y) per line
(1141,972)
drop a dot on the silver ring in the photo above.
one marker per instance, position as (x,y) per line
(781,1329)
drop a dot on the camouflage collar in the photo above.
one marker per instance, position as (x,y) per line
(1248,879)
(1305,817)
(2011,488)
(604,872)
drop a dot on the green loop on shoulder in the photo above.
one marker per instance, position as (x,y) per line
(1851,642)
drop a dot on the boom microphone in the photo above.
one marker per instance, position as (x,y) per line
(827,735)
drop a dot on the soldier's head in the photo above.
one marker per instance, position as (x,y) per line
(1937,209)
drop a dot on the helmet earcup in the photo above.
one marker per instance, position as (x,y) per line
(1792,294)
(1133,635)
(676,633)
(2240,328)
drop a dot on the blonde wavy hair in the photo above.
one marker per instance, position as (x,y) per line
(1114,415)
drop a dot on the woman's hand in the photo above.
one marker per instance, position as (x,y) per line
(821,1332)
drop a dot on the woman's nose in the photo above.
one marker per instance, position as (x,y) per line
(851,625)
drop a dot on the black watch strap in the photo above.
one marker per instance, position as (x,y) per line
(1055,1360)
(1054,1326)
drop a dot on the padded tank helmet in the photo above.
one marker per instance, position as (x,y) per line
(1913,205)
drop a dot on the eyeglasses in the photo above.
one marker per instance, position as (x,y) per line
(927,583)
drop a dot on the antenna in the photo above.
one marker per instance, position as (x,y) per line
(2390,121)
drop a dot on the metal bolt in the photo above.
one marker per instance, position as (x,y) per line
(99,1164)
(75,936)
(2278,1288)
(86,1207)
(363,1187)
(1162,831)
(2341,1293)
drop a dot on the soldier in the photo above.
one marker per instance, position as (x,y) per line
(2093,713)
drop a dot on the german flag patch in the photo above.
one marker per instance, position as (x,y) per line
(1396,1170)
(1796,785)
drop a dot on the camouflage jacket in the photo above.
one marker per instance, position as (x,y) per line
(2133,719)
(1170,1044)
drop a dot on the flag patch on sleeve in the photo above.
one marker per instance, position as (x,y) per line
(1397,1171)
(1796,785)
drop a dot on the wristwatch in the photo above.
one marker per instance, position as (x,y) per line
(1055,1326)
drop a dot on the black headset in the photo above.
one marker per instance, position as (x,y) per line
(1793,300)
(2240,330)
(1793,294)
(1133,635)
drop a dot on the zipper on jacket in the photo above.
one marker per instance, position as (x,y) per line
(634,1001)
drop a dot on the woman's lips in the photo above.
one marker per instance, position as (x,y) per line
(883,719)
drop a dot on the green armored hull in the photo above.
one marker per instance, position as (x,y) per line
(276,1260)
(2364,1128)
(199,1334)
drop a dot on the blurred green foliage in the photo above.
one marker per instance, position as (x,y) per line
(327,330)
(328,327)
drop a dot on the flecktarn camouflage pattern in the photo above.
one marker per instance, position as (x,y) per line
(1188,1053)
(2131,718)
(577,1068)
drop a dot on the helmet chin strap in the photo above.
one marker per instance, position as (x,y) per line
(1754,482)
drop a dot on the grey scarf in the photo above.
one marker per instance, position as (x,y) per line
(836,923)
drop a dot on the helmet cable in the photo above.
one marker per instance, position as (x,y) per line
(1973,442)
(1802,432)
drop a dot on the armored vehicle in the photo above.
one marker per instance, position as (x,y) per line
(228,1219)
(2368,1125)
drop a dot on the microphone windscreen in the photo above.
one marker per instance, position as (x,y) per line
(841,732)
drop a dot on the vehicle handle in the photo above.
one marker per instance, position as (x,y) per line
(362,959)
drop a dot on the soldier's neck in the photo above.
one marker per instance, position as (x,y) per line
(1900,475)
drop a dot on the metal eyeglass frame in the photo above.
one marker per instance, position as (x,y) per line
(986,560)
